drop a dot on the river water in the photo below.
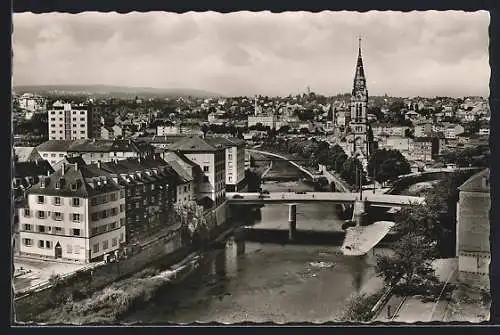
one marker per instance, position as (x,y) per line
(247,281)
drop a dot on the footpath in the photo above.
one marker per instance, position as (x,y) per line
(414,309)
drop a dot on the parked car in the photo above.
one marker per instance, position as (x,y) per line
(265,192)
(300,192)
(263,196)
(237,196)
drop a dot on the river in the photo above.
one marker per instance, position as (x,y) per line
(256,282)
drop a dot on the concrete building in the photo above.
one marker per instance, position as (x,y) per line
(425,149)
(235,161)
(72,122)
(211,157)
(423,129)
(473,230)
(92,150)
(263,119)
(31,102)
(111,133)
(74,214)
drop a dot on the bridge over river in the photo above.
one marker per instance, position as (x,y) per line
(377,200)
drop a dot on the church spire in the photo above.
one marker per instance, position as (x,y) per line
(359,78)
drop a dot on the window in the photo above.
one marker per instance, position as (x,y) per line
(82,132)
(69,248)
(41,229)
(61,155)
(41,199)
(113,225)
(27,242)
(122,194)
(27,212)
(82,119)
(57,201)
(121,237)
(136,205)
(122,208)
(205,168)
(105,245)
(185,188)
(75,202)
(95,248)
(114,211)
(52,155)
(75,232)
(114,242)
(74,119)
(41,214)
(104,214)
(94,216)
(58,216)
(48,245)
(205,179)
(58,230)
(122,222)
(145,202)
(113,196)
(27,227)
(40,244)
(93,201)
(76,217)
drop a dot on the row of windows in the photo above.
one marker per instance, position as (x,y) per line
(61,119)
(107,227)
(62,112)
(104,198)
(58,201)
(106,213)
(28,242)
(52,230)
(58,216)
(74,132)
(105,244)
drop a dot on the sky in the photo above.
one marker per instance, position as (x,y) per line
(405,54)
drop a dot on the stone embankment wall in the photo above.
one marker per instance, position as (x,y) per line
(35,302)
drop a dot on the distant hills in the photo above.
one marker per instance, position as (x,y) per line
(107,90)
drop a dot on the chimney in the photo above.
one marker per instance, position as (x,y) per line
(48,173)
(63,168)
(76,166)
(99,164)
(36,162)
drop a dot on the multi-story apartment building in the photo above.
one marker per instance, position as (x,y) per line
(26,174)
(211,157)
(425,148)
(73,214)
(31,102)
(473,230)
(168,129)
(72,122)
(263,119)
(235,161)
(423,129)
(149,187)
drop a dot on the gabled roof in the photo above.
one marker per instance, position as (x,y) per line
(25,154)
(194,144)
(75,181)
(55,145)
(182,175)
(32,169)
(476,183)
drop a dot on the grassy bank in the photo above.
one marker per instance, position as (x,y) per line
(108,305)
(359,307)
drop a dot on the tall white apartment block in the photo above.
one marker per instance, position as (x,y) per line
(71,122)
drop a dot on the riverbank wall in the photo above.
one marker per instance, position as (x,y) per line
(168,249)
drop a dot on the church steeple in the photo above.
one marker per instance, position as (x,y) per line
(359,77)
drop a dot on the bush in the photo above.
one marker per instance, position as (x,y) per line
(359,307)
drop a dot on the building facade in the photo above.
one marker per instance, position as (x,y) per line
(73,214)
(235,162)
(149,188)
(211,157)
(473,230)
(72,122)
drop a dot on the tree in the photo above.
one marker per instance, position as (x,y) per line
(194,226)
(352,171)
(386,165)
(410,266)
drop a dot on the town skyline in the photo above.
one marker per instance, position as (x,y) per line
(248,54)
